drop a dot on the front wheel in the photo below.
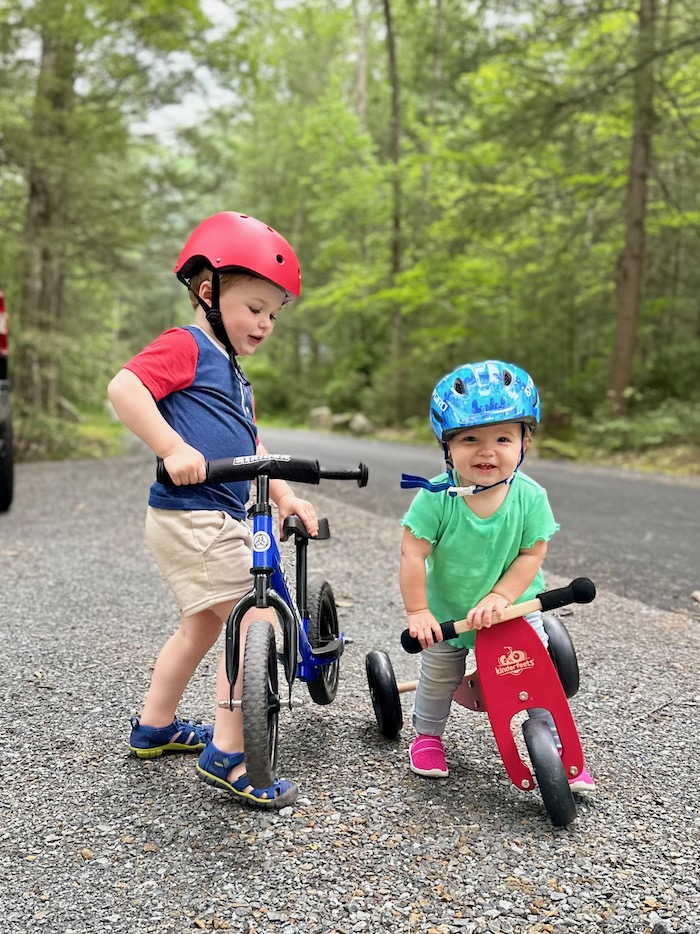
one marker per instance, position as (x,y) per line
(6,462)
(549,772)
(323,628)
(260,703)
(384,693)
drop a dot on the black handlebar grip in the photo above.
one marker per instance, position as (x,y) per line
(413,646)
(580,590)
(361,474)
(230,469)
(162,475)
(276,467)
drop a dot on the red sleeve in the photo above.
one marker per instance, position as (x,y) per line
(168,364)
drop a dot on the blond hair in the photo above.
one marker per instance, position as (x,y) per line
(226,279)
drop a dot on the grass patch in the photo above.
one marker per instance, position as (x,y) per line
(39,437)
(101,437)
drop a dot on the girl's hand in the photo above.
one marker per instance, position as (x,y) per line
(292,505)
(185,464)
(489,610)
(423,626)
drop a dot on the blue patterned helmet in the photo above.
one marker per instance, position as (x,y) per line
(486,393)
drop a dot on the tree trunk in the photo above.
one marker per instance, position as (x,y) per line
(362,31)
(396,336)
(42,301)
(631,266)
(434,96)
(436,83)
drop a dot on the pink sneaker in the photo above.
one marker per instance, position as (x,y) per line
(427,757)
(583,782)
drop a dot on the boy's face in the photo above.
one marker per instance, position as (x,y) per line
(248,310)
(486,455)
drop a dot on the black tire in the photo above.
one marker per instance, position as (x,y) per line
(260,703)
(323,628)
(6,465)
(549,772)
(562,652)
(384,693)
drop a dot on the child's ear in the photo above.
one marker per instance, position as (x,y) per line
(205,290)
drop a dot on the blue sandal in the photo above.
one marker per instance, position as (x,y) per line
(213,767)
(149,742)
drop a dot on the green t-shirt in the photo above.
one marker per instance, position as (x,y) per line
(470,554)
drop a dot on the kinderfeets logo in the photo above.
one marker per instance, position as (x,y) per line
(514,662)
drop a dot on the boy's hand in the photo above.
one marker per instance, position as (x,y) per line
(489,610)
(292,505)
(185,464)
(423,626)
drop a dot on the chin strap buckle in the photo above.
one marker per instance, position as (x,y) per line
(410,482)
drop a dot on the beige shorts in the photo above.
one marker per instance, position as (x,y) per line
(204,555)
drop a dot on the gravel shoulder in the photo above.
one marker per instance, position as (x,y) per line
(91,837)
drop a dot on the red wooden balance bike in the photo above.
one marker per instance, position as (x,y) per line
(515,672)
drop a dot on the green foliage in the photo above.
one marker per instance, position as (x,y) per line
(38,436)
(663,440)
(516,124)
(673,423)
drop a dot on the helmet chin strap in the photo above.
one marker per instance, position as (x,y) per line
(213,316)
(409,482)
(476,488)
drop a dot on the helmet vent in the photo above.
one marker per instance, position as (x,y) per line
(437,416)
(507,378)
(459,386)
(280,258)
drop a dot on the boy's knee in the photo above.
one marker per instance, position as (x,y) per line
(202,627)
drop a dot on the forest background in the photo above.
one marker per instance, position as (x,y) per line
(461,180)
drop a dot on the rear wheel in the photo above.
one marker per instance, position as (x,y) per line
(562,652)
(549,772)
(323,628)
(384,693)
(260,703)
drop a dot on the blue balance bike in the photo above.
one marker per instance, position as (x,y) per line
(311,639)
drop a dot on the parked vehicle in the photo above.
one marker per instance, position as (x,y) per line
(6,452)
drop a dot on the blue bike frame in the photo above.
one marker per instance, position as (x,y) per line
(271,589)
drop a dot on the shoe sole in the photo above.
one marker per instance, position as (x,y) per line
(430,773)
(581,788)
(262,804)
(168,747)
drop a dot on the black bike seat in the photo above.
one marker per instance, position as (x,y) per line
(294,525)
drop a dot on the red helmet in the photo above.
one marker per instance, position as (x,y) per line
(229,239)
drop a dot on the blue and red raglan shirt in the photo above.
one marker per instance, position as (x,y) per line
(209,405)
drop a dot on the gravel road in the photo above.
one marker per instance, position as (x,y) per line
(92,839)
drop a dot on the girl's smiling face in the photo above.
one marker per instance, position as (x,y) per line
(249,307)
(488,454)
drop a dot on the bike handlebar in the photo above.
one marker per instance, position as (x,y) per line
(274,466)
(580,590)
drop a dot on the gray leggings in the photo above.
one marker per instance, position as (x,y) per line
(442,668)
